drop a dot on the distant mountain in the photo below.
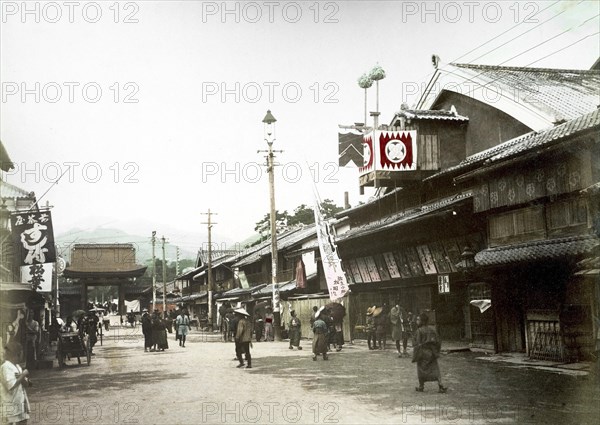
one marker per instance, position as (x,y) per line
(142,244)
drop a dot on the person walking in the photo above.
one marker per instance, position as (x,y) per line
(162,343)
(32,335)
(295,331)
(259,327)
(15,404)
(268,324)
(370,329)
(396,322)
(407,329)
(232,323)
(380,319)
(183,327)
(426,351)
(319,343)
(147,330)
(244,337)
(313,315)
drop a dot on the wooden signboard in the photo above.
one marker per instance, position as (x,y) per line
(390,261)
(372,268)
(381,267)
(362,268)
(439,257)
(453,251)
(355,271)
(403,264)
(412,256)
(426,259)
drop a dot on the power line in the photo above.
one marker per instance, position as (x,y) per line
(522,34)
(566,47)
(494,38)
(502,33)
(550,39)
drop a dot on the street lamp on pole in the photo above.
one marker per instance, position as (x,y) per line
(269,127)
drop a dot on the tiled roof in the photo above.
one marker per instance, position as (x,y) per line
(394,220)
(430,114)
(268,290)
(537,97)
(264,249)
(238,292)
(5,162)
(527,142)
(532,141)
(538,250)
(564,92)
(10,191)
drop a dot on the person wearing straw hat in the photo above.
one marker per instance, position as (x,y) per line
(380,320)
(243,336)
(370,329)
(319,327)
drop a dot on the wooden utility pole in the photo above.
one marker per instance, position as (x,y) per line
(153,270)
(209,276)
(164,276)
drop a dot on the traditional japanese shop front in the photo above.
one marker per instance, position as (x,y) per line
(415,264)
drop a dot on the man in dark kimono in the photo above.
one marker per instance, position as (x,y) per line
(295,331)
(426,351)
(320,330)
(147,330)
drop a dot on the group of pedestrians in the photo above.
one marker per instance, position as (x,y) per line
(377,322)
(155,328)
(425,340)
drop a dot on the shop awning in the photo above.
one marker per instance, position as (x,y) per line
(536,251)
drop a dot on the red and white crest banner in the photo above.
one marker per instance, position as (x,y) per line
(389,151)
(397,150)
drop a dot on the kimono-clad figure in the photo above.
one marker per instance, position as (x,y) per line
(370,329)
(295,331)
(426,351)
(147,330)
(396,321)
(320,330)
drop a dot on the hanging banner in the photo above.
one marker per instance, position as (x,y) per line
(34,235)
(39,276)
(350,149)
(332,265)
(397,150)
(300,274)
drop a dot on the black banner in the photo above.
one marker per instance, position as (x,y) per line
(34,237)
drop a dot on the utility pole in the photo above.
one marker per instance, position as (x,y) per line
(269,121)
(164,276)
(209,275)
(153,270)
(177,267)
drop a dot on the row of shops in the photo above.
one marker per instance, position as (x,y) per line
(493,229)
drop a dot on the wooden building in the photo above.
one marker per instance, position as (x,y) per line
(103,265)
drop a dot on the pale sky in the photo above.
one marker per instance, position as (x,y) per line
(167,102)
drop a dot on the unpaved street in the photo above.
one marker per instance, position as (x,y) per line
(200,384)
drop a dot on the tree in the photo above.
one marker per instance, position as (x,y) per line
(264,226)
(329,208)
(303,214)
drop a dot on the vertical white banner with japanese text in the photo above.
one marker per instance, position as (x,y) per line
(332,265)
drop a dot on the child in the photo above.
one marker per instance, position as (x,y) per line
(15,404)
